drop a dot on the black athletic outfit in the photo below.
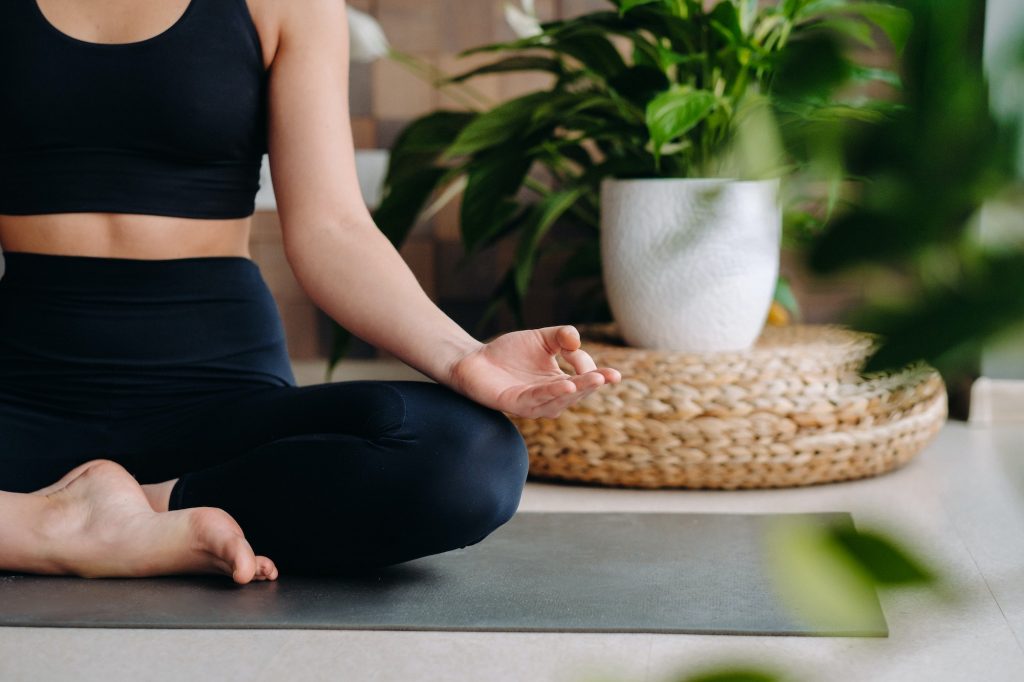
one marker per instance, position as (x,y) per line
(178,368)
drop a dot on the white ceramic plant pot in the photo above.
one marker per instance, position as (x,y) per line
(690,264)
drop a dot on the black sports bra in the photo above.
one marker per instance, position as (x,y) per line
(171,125)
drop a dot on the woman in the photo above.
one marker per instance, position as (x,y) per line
(149,420)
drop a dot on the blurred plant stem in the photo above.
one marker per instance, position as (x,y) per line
(463,93)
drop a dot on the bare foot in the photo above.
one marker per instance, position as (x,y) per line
(67,478)
(159,494)
(101,524)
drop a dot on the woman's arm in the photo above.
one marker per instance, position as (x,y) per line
(339,256)
(351,270)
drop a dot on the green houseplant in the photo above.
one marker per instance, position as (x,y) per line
(646,89)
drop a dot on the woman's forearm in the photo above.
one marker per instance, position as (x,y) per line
(356,276)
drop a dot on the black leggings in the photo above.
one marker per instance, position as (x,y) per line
(178,369)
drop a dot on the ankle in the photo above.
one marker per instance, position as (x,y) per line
(58,522)
(159,495)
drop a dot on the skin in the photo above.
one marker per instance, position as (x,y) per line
(97,521)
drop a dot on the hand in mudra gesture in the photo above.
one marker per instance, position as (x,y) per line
(518,373)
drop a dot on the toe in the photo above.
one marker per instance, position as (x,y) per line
(265,569)
(242,560)
(219,535)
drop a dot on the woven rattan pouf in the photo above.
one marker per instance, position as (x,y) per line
(791,411)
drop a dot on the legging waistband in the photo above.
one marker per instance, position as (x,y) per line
(88,332)
(96,275)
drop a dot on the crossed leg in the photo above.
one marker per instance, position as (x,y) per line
(324,479)
(355,475)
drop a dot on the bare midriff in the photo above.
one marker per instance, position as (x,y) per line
(121,235)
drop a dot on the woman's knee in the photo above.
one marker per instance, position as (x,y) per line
(487,462)
(503,467)
(479,461)
(486,441)
(436,415)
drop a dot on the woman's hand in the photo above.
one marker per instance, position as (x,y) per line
(517,372)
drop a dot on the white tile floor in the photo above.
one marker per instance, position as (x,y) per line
(960,504)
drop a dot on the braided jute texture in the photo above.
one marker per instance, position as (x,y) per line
(791,411)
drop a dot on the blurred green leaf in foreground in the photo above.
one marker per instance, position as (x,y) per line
(828,574)
(927,172)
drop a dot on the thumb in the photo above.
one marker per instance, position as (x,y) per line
(560,337)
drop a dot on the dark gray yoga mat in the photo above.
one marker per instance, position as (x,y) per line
(566,572)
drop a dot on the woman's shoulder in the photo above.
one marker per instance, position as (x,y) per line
(276,18)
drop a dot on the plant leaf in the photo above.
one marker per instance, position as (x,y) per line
(422,141)
(537,41)
(885,561)
(732,674)
(487,202)
(674,112)
(640,84)
(516,63)
(496,126)
(821,583)
(810,66)
(545,214)
(644,27)
(683,35)
(432,132)
(854,29)
(784,296)
(627,5)
(747,15)
(505,292)
(592,49)
(894,21)
(794,8)
(564,106)
(585,261)
(511,226)
(945,325)
(403,201)
(866,73)
(726,22)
